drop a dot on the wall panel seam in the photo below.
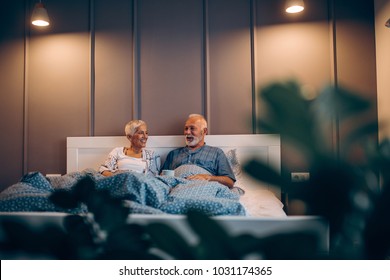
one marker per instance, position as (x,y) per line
(253,62)
(25,87)
(206,66)
(135,95)
(334,74)
(91,121)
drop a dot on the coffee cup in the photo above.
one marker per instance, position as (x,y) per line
(166,172)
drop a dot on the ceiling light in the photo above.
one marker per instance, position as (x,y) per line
(39,15)
(294,6)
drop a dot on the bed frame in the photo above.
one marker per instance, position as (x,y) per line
(90,152)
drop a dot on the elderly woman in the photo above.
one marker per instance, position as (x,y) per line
(134,158)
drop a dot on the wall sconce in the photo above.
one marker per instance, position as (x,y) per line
(294,6)
(387,24)
(39,15)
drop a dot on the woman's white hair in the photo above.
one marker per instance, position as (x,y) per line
(132,126)
(203,122)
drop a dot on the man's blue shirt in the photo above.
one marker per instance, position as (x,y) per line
(213,159)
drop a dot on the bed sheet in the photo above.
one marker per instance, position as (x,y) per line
(258,199)
(142,193)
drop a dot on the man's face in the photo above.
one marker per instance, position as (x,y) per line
(194,134)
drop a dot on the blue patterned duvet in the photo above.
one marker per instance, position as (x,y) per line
(142,193)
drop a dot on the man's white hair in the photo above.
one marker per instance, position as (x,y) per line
(203,122)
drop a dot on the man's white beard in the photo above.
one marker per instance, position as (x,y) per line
(194,141)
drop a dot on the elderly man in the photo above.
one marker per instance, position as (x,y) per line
(196,152)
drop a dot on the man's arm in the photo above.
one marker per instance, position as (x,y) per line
(225,180)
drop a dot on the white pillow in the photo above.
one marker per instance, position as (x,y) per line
(236,167)
(234,162)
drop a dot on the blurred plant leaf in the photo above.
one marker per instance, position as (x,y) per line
(380,159)
(338,189)
(287,114)
(130,237)
(339,102)
(291,246)
(377,229)
(263,172)
(361,133)
(170,241)
(108,212)
(64,199)
(83,189)
(48,241)
(79,230)
(130,241)
(215,242)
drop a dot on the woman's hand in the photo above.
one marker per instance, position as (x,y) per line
(107,173)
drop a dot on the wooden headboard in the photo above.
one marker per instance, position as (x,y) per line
(90,152)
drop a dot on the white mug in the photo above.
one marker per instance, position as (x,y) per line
(166,172)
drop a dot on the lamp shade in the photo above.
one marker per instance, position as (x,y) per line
(294,6)
(39,15)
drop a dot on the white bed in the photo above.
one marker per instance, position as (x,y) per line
(262,201)
(259,199)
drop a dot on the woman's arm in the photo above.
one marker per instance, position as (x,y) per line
(111,163)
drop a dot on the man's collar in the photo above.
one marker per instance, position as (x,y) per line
(197,149)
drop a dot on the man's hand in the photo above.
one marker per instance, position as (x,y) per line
(220,179)
(206,177)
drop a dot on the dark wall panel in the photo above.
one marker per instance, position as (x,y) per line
(353,52)
(11,90)
(113,27)
(292,46)
(296,46)
(57,85)
(170,82)
(356,60)
(230,77)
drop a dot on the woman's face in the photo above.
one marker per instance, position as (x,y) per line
(140,137)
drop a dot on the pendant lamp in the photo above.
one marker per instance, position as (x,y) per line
(39,15)
(294,6)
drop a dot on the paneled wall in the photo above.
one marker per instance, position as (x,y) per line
(12,77)
(57,84)
(382,44)
(113,63)
(169,69)
(230,57)
(102,63)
